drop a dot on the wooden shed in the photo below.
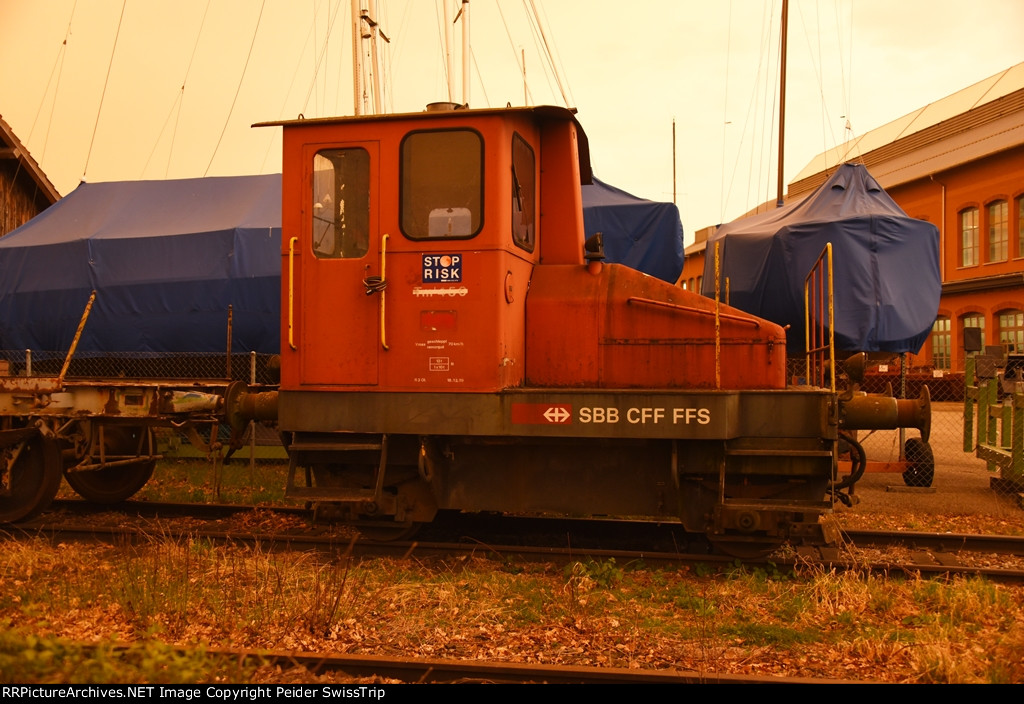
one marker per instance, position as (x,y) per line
(24,189)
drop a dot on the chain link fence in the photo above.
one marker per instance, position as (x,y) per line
(251,368)
(895,459)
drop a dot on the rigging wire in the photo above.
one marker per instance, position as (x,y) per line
(58,61)
(818,66)
(385,67)
(512,45)
(751,107)
(757,154)
(848,131)
(535,33)
(103,94)
(238,90)
(557,64)
(547,51)
(725,115)
(483,85)
(441,32)
(291,85)
(178,103)
(319,61)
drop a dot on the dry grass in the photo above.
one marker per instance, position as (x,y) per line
(816,623)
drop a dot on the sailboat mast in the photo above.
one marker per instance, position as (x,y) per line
(357,61)
(449,68)
(782,99)
(465,52)
(371,17)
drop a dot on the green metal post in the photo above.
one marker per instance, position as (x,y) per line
(970,396)
(1016,467)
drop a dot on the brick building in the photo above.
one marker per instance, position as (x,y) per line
(958,163)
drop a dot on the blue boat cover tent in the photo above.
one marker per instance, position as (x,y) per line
(166,259)
(641,234)
(886,264)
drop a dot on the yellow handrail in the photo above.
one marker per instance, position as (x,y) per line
(815,299)
(291,292)
(383,256)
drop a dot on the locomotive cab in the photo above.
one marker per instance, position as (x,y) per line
(410,243)
(445,345)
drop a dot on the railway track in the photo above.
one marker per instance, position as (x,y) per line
(531,540)
(442,671)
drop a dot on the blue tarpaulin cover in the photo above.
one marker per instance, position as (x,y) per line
(886,264)
(642,234)
(166,259)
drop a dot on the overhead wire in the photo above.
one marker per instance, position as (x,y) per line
(178,103)
(388,100)
(238,90)
(849,133)
(818,67)
(725,114)
(535,34)
(103,94)
(557,64)
(291,85)
(751,108)
(548,53)
(319,62)
(512,45)
(58,61)
(443,43)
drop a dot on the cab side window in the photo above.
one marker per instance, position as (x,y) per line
(341,203)
(524,194)
(442,184)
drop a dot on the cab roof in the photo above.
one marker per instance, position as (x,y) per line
(546,113)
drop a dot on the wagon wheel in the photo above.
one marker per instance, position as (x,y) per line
(31,481)
(921,471)
(112,485)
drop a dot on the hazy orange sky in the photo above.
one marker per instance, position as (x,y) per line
(117,112)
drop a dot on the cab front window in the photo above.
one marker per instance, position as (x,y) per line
(442,184)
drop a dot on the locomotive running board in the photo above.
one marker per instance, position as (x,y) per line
(336,448)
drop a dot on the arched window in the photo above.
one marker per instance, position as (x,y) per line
(998,231)
(942,343)
(1011,330)
(969,237)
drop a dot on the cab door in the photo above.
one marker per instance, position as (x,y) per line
(340,248)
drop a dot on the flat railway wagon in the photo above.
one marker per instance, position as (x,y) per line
(449,341)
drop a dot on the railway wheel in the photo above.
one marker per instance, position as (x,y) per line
(919,456)
(114,484)
(745,547)
(30,472)
(385,531)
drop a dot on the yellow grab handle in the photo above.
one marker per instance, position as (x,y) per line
(291,292)
(383,256)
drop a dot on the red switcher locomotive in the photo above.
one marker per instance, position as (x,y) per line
(449,341)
